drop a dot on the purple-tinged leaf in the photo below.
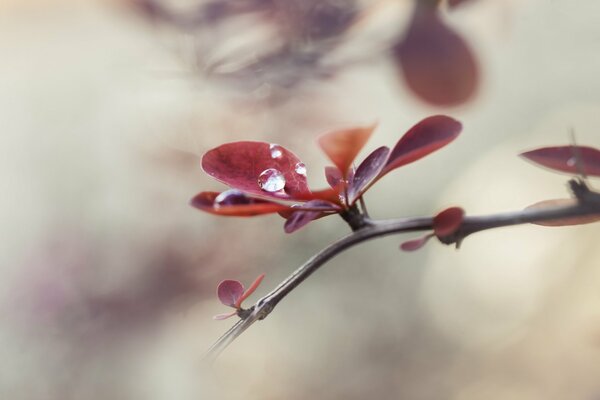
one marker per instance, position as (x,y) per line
(448,221)
(224,316)
(586,219)
(250,290)
(315,205)
(234,203)
(242,165)
(425,137)
(298,219)
(229,292)
(308,212)
(333,176)
(415,244)
(568,159)
(436,62)
(366,172)
(342,146)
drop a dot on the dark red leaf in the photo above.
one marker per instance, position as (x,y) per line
(234,203)
(342,146)
(229,292)
(308,212)
(448,221)
(415,244)
(241,164)
(565,221)
(567,159)
(366,172)
(422,139)
(436,62)
(250,290)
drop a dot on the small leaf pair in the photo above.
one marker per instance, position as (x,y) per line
(445,224)
(231,293)
(267,178)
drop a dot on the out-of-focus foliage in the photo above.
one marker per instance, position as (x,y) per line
(276,45)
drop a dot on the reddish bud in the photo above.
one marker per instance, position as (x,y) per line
(448,221)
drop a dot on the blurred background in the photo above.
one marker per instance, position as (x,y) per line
(109,276)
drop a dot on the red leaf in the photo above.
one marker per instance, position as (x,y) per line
(342,146)
(415,244)
(250,290)
(240,164)
(366,172)
(330,195)
(436,62)
(234,203)
(567,159)
(229,292)
(587,219)
(422,139)
(448,221)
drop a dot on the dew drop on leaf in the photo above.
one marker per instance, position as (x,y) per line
(300,169)
(275,150)
(271,180)
(231,197)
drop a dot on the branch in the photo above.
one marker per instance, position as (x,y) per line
(587,204)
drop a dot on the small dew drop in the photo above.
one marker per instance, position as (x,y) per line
(571,161)
(300,169)
(231,197)
(276,151)
(271,180)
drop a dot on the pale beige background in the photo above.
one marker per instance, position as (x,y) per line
(108,275)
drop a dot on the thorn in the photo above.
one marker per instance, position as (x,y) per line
(576,154)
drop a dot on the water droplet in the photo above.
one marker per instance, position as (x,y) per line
(271,180)
(300,169)
(276,151)
(231,197)
(571,161)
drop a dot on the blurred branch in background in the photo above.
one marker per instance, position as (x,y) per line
(274,46)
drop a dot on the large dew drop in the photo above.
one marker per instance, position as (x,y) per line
(271,180)
(231,197)
(300,169)
(276,151)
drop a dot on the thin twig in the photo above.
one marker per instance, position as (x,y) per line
(588,204)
